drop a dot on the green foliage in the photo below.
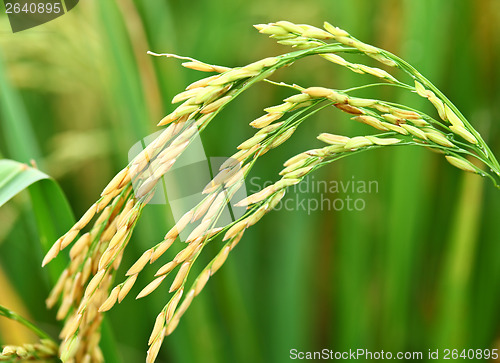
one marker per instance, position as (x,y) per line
(51,209)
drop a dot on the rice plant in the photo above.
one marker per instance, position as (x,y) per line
(87,288)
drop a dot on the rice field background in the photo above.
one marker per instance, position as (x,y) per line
(415,269)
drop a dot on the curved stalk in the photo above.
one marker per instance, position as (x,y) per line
(9,314)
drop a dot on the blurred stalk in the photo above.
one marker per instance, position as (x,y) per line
(236,308)
(18,318)
(484,298)
(126,86)
(15,124)
(10,330)
(455,314)
(163,38)
(139,44)
(290,283)
(459,265)
(423,31)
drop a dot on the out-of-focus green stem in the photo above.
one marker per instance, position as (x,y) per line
(16,317)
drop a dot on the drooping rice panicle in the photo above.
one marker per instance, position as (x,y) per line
(84,286)
(45,350)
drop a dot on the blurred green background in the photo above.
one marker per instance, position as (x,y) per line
(416,269)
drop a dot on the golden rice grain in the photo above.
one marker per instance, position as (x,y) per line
(160,249)
(219,260)
(166,268)
(181,275)
(140,263)
(461,164)
(111,300)
(53,252)
(127,286)
(152,286)
(172,305)
(154,349)
(160,323)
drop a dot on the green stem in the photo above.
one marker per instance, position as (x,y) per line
(9,314)
(399,85)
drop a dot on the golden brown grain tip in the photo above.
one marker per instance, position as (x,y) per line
(152,286)
(159,250)
(235,229)
(266,119)
(172,305)
(464,133)
(187,252)
(72,327)
(119,237)
(160,323)
(53,252)
(181,275)
(171,327)
(251,142)
(214,106)
(94,283)
(282,138)
(349,109)
(461,164)
(203,207)
(111,300)
(125,289)
(116,182)
(236,239)
(333,139)
(86,218)
(185,304)
(439,139)
(140,263)
(153,350)
(80,245)
(357,142)
(202,281)
(220,259)
(107,257)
